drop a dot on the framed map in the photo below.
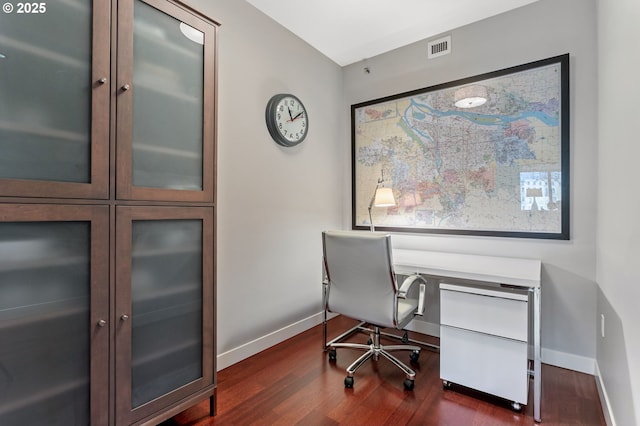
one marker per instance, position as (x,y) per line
(495,163)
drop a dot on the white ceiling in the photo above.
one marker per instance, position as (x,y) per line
(349,31)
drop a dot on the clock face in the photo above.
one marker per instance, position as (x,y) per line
(287,119)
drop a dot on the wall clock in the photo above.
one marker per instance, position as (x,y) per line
(286,119)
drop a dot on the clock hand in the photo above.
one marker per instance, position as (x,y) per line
(290,117)
(294,118)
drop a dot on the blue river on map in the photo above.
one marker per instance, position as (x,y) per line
(418,112)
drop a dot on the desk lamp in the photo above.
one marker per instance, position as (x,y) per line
(382,197)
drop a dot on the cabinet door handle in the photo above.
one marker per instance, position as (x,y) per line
(103,80)
(102,323)
(126,87)
(124,317)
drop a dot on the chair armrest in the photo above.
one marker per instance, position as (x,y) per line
(408,282)
(406,285)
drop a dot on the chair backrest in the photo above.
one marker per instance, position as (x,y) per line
(359,268)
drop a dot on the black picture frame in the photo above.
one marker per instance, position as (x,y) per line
(469,171)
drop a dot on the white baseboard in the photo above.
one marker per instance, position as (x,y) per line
(569,361)
(224,360)
(248,349)
(604,399)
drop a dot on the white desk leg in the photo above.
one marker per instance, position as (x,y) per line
(537,356)
(324,314)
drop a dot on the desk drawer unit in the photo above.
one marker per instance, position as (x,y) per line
(483,340)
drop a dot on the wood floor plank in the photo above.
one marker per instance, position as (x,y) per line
(294,383)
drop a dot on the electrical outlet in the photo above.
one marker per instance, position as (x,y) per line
(602,325)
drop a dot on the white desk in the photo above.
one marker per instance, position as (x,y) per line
(523,273)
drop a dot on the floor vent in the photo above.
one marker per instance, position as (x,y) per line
(439,47)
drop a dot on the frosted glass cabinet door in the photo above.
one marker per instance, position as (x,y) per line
(52,276)
(165,103)
(54,99)
(164,305)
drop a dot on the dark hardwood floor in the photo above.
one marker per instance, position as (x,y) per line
(294,383)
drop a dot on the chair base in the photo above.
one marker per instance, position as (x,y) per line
(362,327)
(374,350)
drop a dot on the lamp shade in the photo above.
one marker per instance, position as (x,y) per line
(470,96)
(384,198)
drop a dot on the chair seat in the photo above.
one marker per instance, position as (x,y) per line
(406,309)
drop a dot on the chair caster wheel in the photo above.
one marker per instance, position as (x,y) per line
(348,382)
(414,356)
(405,338)
(446,384)
(408,384)
(332,355)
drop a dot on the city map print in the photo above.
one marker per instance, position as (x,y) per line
(500,168)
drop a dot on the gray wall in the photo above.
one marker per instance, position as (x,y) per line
(543,29)
(618,237)
(273,202)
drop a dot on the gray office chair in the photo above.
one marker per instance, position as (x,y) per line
(361,284)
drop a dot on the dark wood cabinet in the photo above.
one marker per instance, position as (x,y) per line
(165,111)
(163,309)
(54,108)
(54,310)
(107,213)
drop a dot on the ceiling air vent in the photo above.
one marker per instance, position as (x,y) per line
(439,47)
